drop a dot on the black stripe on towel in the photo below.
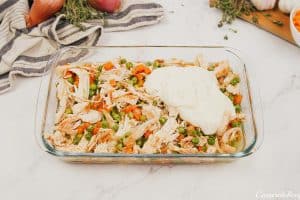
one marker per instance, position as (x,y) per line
(9,45)
(135,20)
(131,8)
(4,76)
(34,59)
(7,4)
(4,87)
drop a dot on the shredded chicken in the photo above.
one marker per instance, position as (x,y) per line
(104,108)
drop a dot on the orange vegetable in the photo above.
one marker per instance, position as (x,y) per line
(42,10)
(296,21)
(237,99)
(140,78)
(129,108)
(82,127)
(137,114)
(69,74)
(113,83)
(199,148)
(180,137)
(92,78)
(190,128)
(135,110)
(100,106)
(108,66)
(76,82)
(148,133)
(96,128)
(141,68)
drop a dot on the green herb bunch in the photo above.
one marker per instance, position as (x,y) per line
(79,11)
(232,9)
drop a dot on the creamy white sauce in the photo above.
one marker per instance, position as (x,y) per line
(194,92)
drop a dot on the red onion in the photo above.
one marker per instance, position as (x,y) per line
(106,5)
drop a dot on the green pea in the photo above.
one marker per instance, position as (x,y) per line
(154,103)
(104,124)
(134,80)
(235,81)
(100,68)
(148,63)
(211,140)
(181,130)
(204,148)
(68,111)
(127,134)
(115,127)
(88,136)
(130,115)
(77,138)
(122,114)
(70,80)
(92,93)
(236,124)
(238,108)
(123,61)
(129,65)
(211,68)
(198,132)
(143,118)
(156,65)
(230,96)
(162,120)
(223,90)
(116,116)
(195,132)
(119,146)
(139,142)
(90,128)
(93,86)
(195,140)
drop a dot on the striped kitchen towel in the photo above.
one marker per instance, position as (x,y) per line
(26,51)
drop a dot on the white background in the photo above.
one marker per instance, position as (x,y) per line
(28,173)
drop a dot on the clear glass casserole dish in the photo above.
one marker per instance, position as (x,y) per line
(47,102)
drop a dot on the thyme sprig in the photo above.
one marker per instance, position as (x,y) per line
(232,9)
(78,11)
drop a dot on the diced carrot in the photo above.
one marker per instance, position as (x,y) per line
(199,148)
(141,68)
(68,74)
(137,114)
(92,78)
(113,82)
(108,66)
(96,128)
(139,76)
(237,99)
(190,128)
(102,106)
(180,137)
(129,108)
(141,83)
(148,133)
(76,82)
(296,18)
(82,127)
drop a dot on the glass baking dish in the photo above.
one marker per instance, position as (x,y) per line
(47,102)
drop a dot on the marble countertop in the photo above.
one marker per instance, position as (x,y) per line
(274,66)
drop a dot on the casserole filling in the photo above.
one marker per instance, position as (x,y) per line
(164,106)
